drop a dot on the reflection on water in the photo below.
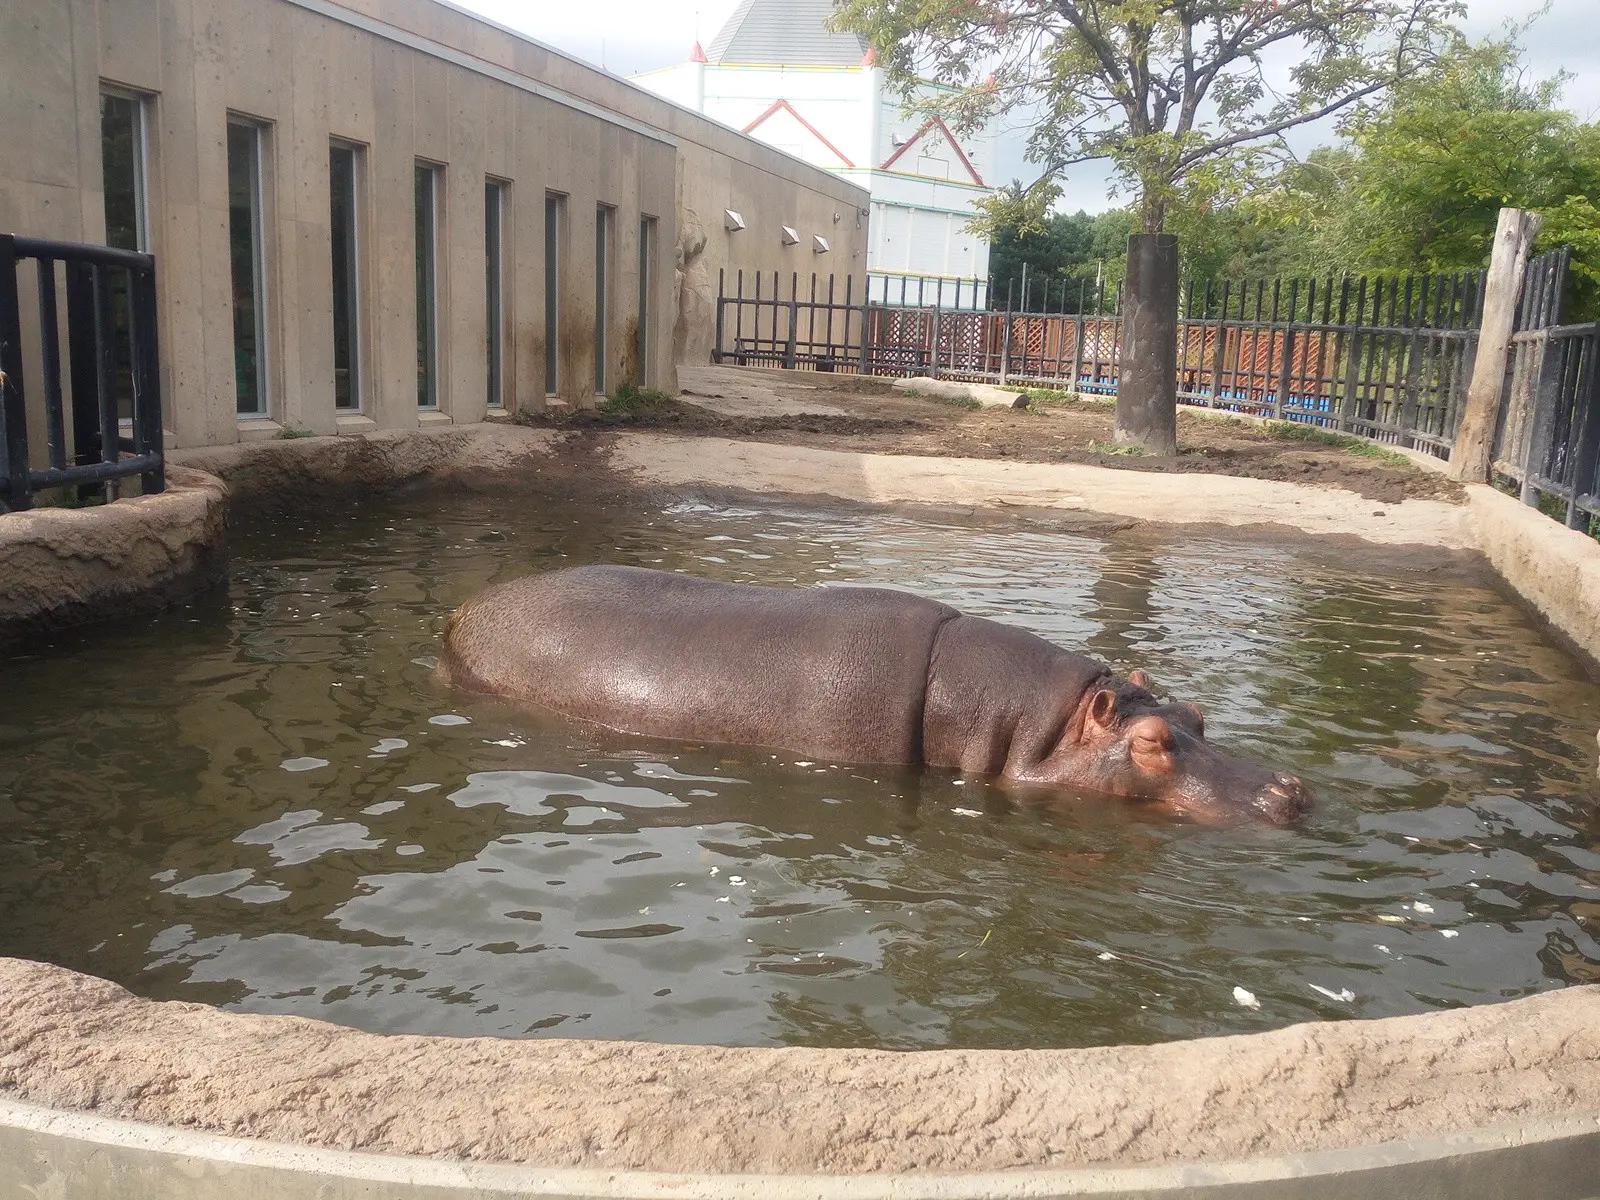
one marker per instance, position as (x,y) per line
(264,801)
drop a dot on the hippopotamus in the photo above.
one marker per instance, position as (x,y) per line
(848,675)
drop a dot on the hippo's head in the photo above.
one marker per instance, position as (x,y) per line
(1131,744)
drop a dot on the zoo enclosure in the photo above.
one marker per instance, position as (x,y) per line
(1386,357)
(113,367)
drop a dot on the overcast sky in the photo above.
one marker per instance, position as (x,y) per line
(629,36)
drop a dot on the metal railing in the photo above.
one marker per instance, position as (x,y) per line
(1388,357)
(1548,439)
(112,365)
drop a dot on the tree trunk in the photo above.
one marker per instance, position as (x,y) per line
(1152,212)
(1147,388)
(1474,444)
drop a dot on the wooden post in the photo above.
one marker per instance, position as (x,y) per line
(1513,238)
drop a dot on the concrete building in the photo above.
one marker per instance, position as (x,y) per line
(386,213)
(776,72)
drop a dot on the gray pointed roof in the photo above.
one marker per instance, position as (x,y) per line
(786,32)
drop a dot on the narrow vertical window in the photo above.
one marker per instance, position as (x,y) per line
(343,206)
(602,281)
(427,197)
(494,208)
(553,212)
(122,161)
(647,250)
(246,262)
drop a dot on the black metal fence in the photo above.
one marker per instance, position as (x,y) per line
(1547,440)
(112,366)
(1386,357)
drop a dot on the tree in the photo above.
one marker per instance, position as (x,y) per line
(1422,175)
(1177,94)
(1060,246)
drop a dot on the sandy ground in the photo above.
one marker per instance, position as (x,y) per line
(659,460)
(842,412)
(73,1042)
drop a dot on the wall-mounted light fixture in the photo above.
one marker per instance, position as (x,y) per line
(791,236)
(731,221)
(819,244)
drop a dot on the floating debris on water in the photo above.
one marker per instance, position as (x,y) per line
(449,719)
(388,746)
(1422,908)
(1106,956)
(419,787)
(966,812)
(303,764)
(1245,998)
(1343,995)
(1449,933)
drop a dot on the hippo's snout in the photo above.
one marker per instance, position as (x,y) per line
(1284,800)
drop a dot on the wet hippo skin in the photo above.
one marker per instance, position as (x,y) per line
(846,674)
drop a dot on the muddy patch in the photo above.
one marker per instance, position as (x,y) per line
(871,418)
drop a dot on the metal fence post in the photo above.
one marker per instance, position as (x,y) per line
(1545,400)
(794,321)
(722,321)
(1005,345)
(16,493)
(147,426)
(1280,400)
(1586,453)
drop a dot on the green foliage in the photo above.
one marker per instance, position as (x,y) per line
(1061,245)
(1414,184)
(629,400)
(288,433)
(1421,177)
(1173,93)
(1125,449)
(1299,431)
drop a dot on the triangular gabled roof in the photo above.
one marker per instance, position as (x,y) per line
(785,33)
(784,108)
(934,130)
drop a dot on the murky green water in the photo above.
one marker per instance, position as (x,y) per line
(265,802)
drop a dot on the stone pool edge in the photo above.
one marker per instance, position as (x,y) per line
(73,1042)
(89,1157)
(75,566)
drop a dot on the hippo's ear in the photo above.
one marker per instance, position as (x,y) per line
(1150,745)
(1141,679)
(1102,709)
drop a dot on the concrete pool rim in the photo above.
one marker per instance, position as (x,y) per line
(1556,572)
(132,1160)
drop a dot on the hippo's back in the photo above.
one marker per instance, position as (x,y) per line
(839,673)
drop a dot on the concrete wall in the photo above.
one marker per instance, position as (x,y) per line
(407,80)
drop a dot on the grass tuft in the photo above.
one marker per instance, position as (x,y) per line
(1299,431)
(1123,448)
(287,434)
(630,400)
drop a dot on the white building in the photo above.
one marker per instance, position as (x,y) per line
(776,73)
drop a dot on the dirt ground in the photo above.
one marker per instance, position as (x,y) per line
(847,413)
